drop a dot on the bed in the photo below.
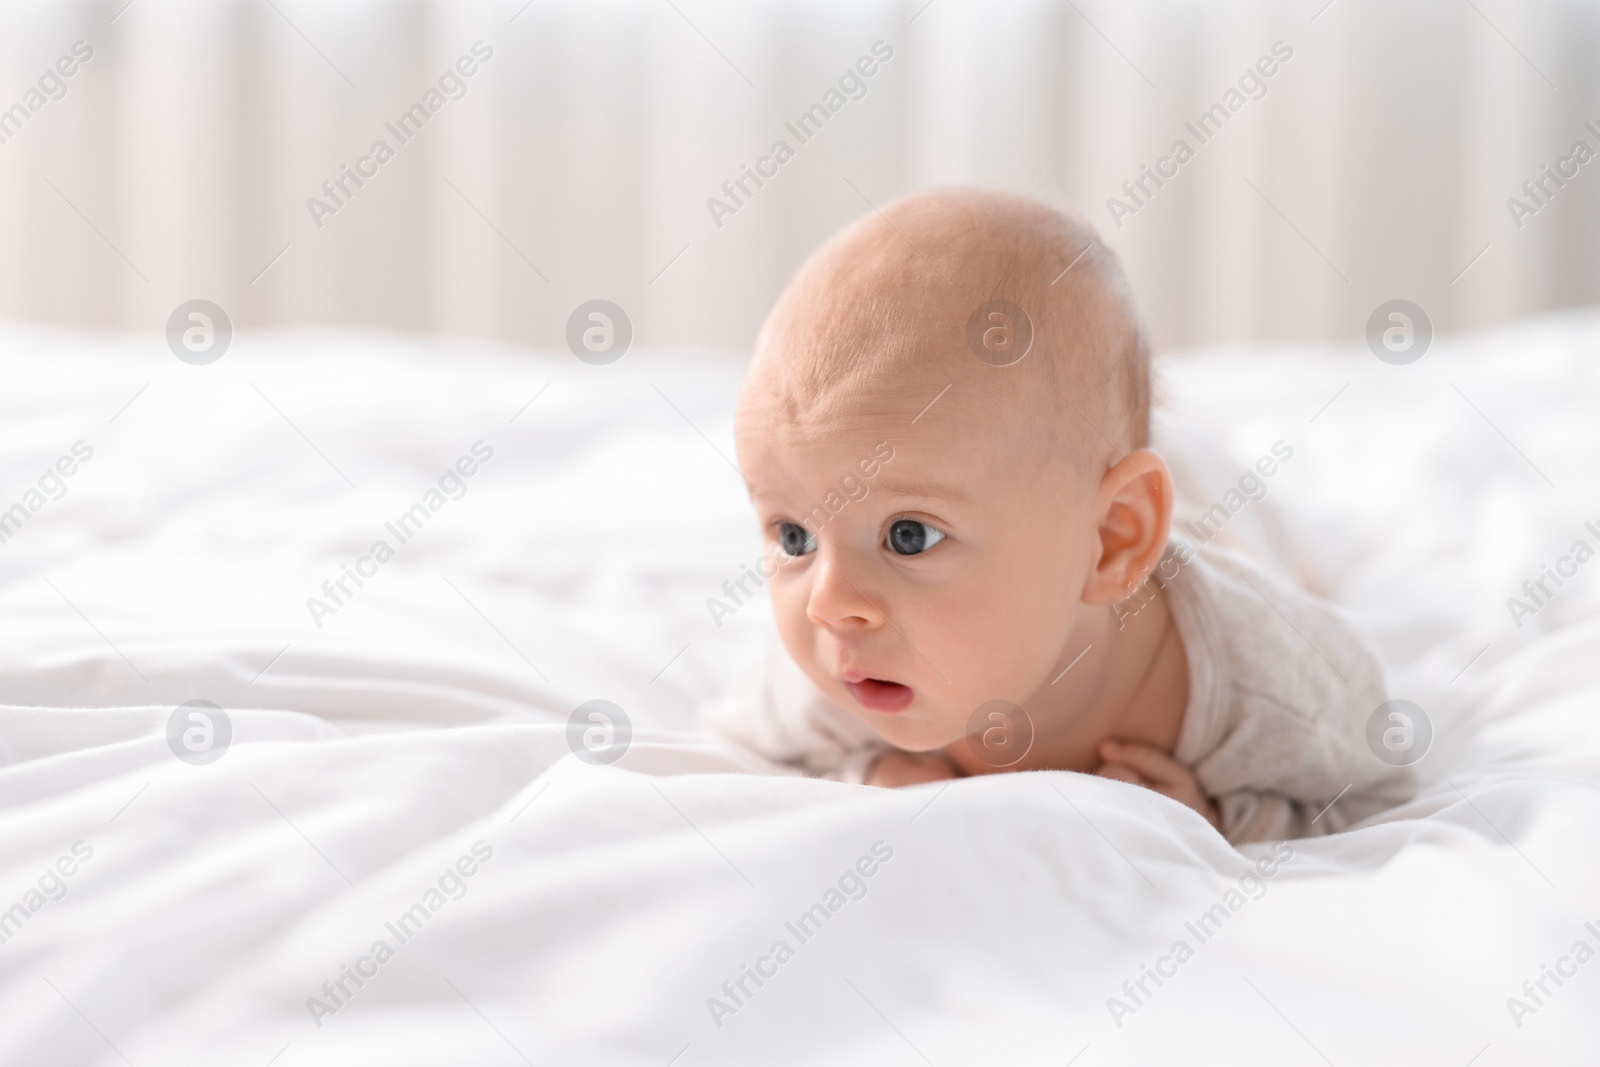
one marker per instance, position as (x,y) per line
(396,766)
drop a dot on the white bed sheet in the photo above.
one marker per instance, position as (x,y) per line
(427,715)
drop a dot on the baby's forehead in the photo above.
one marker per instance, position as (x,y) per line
(855,351)
(799,403)
(847,357)
(933,405)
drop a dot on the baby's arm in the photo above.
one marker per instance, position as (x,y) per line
(1126,761)
(1141,764)
(1252,815)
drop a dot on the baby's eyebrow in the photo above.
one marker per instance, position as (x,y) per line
(922,488)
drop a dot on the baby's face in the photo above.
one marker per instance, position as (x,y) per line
(933,562)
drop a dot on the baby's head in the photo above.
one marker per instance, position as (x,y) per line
(944,428)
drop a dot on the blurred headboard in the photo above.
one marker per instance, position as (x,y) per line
(540,154)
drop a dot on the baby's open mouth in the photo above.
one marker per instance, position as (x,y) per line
(876,694)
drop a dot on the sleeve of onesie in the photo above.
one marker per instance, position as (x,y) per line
(1287,752)
(1254,815)
(1313,770)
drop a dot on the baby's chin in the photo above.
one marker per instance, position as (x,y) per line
(914,729)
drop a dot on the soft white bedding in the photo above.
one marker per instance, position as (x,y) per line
(426,717)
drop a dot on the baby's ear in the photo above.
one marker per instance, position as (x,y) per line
(1132,511)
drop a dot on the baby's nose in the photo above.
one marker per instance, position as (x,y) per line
(838,602)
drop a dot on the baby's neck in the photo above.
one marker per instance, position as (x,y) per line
(1131,685)
(1153,711)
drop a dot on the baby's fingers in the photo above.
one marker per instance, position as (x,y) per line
(894,769)
(1122,773)
(1149,761)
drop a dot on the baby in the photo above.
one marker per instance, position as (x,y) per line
(945,434)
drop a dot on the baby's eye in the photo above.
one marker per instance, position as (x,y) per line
(796,540)
(908,537)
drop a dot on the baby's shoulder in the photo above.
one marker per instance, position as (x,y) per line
(1260,633)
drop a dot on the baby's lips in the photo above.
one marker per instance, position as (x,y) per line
(876,694)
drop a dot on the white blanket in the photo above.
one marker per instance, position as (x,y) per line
(401,773)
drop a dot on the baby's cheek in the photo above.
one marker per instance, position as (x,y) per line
(789,611)
(1009,635)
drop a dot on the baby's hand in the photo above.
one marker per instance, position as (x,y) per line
(1130,761)
(895,768)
